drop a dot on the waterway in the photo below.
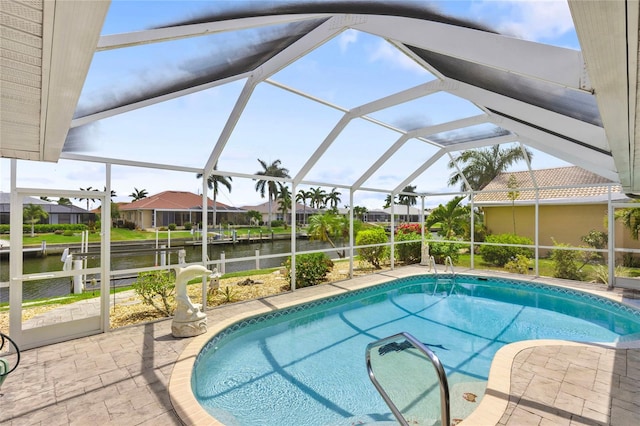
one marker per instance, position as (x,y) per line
(123,258)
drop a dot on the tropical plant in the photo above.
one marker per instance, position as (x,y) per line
(332,199)
(45,198)
(213,182)
(326,227)
(630,218)
(64,201)
(565,262)
(518,265)
(87,199)
(408,252)
(481,166)
(452,218)
(302,197)
(268,186)
(359,212)
(318,197)
(388,202)
(504,248)
(376,254)
(254,216)
(311,269)
(284,202)
(32,213)
(513,195)
(138,194)
(408,200)
(156,288)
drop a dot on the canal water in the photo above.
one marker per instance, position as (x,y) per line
(123,258)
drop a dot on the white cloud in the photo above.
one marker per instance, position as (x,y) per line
(347,38)
(385,52)
(530,20)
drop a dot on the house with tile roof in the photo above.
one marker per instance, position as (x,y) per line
(302,212)
(57,213)
(177,207)
(565,213)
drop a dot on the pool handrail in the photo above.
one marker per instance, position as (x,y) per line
(448,260)
(435,361)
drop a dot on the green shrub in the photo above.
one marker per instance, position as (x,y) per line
(373,255)
(172,226)
(188,226)
(519,265)
(440,251)
(68,233)
(129,225)
(277,223)
(155,288)
(311,269)
(565,262)
(46,228)
(499,255)
(408,252)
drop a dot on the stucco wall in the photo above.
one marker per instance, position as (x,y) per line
(566,224)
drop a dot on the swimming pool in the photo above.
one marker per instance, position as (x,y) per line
(305,365)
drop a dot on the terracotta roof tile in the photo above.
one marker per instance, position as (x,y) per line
(547,180)
(173,200)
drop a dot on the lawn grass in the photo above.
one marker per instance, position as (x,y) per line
(123,234)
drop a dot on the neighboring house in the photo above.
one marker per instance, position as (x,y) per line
(177,207)
(58,214)
(301,216)
(565,214)
(400,212)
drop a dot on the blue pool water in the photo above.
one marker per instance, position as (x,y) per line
(305,365)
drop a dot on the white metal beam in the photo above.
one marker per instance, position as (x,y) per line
(549,63)
(117,41)
(80,121)
(555,122)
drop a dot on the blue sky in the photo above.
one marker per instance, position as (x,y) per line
(350,70)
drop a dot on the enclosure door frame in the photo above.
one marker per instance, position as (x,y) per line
(45,335)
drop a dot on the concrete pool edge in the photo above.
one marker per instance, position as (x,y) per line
(489,411)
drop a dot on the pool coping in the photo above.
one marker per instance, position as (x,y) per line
(489,411)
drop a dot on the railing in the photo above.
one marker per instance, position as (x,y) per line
(449,262)
(390,344)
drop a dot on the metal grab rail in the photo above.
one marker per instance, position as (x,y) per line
(432,264)
(442,377)
(450,262)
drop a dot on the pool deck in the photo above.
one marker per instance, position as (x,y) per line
(139,375)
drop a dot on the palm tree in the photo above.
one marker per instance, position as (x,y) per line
(284,202)
(408,200)
(88,199)
(138,194)
(318,197)
(481,166)
(333,199)
(270,186)
(64,201)
(301,197)
(388,202)
(359,212)
(213,182)
(452,217)
(32,214)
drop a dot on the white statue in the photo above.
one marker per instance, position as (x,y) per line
(188,320)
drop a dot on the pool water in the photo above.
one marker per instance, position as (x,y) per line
(305,365)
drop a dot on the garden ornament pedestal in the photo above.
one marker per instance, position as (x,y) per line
(188,319)
(424,254)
